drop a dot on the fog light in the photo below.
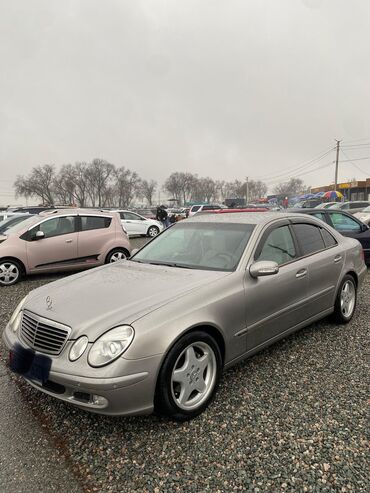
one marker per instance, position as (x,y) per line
(99,400)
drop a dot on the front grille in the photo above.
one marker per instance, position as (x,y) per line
(42,334)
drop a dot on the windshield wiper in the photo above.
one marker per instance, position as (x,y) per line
(172,264)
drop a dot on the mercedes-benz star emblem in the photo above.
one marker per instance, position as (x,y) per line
(49,303)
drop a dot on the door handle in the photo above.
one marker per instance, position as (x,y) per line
(68,241)
(337,258)
(301,273)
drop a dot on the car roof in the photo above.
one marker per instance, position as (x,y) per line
(318,209)
(75,211)
(242,217)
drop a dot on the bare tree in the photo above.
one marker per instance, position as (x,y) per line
(181,186)
(39,183)
(98,177)
(294,186)
(127,185)
(147,190)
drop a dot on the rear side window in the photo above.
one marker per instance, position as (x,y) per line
(195,208)
(94,222)
(309,238)
(278,246)
(328,238)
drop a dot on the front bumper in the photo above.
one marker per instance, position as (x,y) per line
(129,391)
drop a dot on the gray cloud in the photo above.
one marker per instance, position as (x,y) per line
(220,88)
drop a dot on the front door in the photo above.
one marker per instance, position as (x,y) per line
(276,303)
(134,224)
(58,247)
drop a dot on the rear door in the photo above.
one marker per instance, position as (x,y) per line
(94,233)
(276,303)
(325,260)
(58,247)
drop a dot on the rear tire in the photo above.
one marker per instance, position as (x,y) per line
(189,377)
(116,255)
(345,303)
(11,272)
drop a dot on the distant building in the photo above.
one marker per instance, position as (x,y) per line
(355,190)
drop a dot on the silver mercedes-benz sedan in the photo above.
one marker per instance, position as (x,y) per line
(155,332)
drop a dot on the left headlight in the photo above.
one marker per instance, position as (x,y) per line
(110,345)
(17,316)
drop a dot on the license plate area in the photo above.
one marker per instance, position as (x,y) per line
(28,363)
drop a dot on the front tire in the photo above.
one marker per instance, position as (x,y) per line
(153,231)
(10,272)
(116,255)
(345,303)
(189,377)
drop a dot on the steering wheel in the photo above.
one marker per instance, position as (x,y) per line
(229,259)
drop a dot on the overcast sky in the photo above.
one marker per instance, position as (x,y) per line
(222,88)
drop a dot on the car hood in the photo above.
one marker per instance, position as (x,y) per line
(94,301)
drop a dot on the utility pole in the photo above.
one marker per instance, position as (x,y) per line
(336,165)
(247,190)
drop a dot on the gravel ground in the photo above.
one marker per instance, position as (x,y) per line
(292,418)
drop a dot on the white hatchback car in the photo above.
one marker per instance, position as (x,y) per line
(135,224)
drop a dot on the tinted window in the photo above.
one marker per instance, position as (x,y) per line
(56,226)
(319,215)
(309,238)
(328,238)
(341,222)
(94,222)
(195,208)
(278,246)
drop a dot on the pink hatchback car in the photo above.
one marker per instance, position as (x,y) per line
(61,240)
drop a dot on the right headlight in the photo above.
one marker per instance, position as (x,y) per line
(110,345)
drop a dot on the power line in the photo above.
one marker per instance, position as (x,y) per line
(354,164)
(297,168)
(304,172)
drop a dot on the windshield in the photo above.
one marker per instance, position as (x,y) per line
(22,222)
(215,246)
(367,209)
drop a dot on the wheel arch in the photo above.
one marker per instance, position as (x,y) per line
(14,259)
(116,248)
(353,274)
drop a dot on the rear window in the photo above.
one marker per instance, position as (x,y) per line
(309,238)
(94,222)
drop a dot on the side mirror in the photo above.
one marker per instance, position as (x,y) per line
(263,268)
(39,235)
(364,227)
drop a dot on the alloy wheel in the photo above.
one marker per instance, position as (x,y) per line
(347,298)
(116,256)
(194,376)
(9,273)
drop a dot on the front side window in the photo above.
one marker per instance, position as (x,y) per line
(94,222)
(341,222)
(56,226)
(309,238)
(278,246)
(319,215)
(130,216)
